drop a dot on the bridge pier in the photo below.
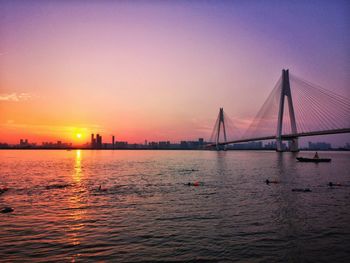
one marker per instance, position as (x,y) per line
(279,145)
(293,145)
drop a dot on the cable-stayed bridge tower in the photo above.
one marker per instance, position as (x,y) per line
(286,93)
(220,123)
(295,108)
(219,132)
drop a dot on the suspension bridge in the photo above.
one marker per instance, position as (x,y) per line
(295,108)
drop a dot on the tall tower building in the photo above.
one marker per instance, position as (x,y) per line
(93,142)
(98,141)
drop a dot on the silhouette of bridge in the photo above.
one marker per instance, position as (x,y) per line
(310,110)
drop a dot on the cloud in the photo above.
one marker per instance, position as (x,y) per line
(50,129)
(15,97)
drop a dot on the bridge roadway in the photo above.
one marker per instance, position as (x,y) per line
(288,136)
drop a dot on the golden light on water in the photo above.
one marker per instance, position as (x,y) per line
(78,154)
(76,204)
(77,167)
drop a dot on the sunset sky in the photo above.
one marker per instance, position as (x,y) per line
(158,70)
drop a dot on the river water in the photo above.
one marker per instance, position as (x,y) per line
(145,212)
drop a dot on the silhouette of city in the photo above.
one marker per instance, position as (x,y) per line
(96,143)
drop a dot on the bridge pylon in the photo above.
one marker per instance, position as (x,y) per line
(221,123)
(286,93)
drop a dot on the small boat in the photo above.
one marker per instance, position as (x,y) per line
(313,160)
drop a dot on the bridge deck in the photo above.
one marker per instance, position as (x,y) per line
(288,136)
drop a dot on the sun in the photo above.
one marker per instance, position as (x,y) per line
(78,135)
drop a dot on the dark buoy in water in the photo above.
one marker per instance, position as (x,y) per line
(7,210)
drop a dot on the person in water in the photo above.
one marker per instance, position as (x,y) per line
(316,156)
(334,184)
(3,190)
(301,190)
(7,210)
(100,189)
(267,181)
(194,184)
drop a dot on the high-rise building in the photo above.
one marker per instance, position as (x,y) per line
(98,141)
(93,141)
(23,142)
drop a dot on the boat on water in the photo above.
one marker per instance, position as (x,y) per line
(313,160)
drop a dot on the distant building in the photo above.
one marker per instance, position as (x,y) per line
(57,145)
(183,145)
(164,145)
(96,143)
(4,145)
(121,145)
(23,142)
(270,145)
(319,146)
(193,145)
(93,141)
(248,146)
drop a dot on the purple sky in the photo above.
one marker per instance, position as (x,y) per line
(159,69)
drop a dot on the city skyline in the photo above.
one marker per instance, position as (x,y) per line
(158,71)
(97,142)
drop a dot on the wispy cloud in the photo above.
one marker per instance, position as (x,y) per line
(15,97)
(51,129)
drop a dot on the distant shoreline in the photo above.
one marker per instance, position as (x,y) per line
(174,149)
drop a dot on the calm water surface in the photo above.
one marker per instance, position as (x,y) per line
(146,213)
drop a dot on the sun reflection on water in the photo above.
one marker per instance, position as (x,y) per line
(76,202)
(77,167)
